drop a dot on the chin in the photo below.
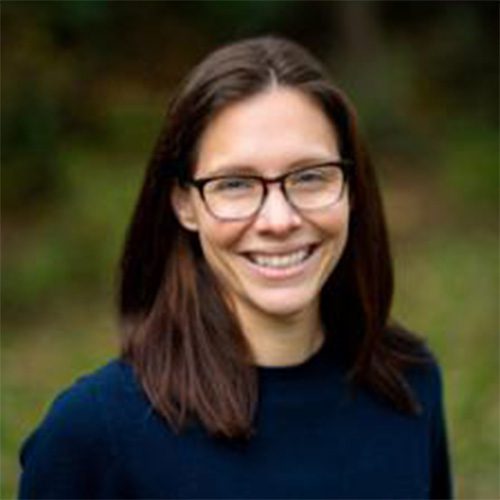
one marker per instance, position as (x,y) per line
(282,304)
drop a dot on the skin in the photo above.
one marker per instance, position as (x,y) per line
(268,134)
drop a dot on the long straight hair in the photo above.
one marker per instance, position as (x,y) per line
(179,333)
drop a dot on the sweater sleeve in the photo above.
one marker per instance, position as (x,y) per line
(68,455)
(441,483)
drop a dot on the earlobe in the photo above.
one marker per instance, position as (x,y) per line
(184,209)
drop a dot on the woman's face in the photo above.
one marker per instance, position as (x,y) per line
(276,262)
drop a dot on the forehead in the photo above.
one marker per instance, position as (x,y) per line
(267,133)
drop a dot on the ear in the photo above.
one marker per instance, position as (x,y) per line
(183,205)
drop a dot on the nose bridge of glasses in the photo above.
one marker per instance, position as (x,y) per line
(274,191)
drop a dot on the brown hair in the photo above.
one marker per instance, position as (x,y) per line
(185,344)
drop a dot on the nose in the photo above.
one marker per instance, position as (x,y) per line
(276,215)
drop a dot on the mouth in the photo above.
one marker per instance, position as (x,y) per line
(281,260)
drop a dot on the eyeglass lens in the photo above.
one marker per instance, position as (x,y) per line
(238,197)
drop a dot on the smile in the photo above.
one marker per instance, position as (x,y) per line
(281,261)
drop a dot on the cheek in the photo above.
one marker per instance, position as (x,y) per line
(214,235)
(217,237)
(332,223)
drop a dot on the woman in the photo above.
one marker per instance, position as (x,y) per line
(258,359)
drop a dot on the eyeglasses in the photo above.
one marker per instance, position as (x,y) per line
(237,197)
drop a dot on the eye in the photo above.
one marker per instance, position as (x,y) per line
(309,176)
(231,185)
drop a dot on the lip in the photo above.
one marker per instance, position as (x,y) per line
(277,274)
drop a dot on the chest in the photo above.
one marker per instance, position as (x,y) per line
(333,447)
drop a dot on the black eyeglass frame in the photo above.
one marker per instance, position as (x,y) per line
(199,184)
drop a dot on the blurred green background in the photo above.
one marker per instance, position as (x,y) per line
(84,90)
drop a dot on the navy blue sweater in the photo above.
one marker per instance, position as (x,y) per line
(314,439)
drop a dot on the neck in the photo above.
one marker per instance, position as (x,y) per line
(281,341)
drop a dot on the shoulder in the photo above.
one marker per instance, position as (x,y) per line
(426,377)
(419,365)
(92,393)
(82,416)
(76,439)
(76,413)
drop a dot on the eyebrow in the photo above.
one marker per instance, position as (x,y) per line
(252,170)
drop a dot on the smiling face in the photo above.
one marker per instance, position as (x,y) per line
(275,263)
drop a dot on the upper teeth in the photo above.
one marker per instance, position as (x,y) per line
(280,260)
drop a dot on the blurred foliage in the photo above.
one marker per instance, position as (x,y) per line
(84,90)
